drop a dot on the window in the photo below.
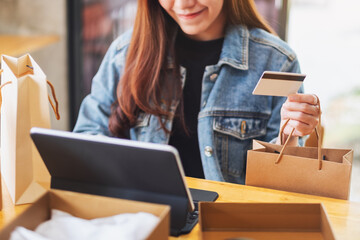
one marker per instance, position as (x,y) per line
(326,35)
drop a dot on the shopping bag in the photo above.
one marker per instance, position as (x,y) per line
(311,170)
(24,102)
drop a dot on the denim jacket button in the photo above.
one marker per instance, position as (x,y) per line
(208,151)
(213,76)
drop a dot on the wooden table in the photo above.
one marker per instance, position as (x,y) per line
(16,45)
(344,215)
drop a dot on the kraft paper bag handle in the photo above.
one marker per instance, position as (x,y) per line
(318,135)
(1,86)
(54,107)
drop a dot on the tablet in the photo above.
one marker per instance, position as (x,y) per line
(119,168)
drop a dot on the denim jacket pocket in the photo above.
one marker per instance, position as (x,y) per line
(232,138)
(241,128)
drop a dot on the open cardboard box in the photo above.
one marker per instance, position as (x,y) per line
(88,207)
(283,221)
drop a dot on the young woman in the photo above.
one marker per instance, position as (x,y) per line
(184,76)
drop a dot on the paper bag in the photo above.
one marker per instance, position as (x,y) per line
(316,171)
(25,104)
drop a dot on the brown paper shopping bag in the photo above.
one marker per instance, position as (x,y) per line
(25,104)
(316,171)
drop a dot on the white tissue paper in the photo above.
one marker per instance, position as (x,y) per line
(61,226)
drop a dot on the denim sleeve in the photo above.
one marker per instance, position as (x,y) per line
(95,109)
(274,121)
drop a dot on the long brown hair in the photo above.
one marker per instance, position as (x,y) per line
(143,86)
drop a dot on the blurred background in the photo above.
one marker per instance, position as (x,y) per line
(69,38)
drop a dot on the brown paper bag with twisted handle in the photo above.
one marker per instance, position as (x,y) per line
(25,104)
(316,171)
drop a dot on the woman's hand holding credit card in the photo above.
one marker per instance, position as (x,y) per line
(302,110)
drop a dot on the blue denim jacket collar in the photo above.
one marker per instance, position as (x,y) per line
(235,48)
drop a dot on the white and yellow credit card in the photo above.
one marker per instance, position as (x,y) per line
(278,83)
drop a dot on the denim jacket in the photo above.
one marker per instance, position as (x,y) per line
(230,116)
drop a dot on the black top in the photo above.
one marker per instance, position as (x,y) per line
(194,56)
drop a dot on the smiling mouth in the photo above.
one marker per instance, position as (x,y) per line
(191,15)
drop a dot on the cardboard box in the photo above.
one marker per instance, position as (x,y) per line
(264,221)
(88,207)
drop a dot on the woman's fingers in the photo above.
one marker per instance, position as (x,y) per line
(303,112)
(303,98)
(301,129)
(301,108)
(301,117)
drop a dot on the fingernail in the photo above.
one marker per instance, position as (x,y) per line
(316,99)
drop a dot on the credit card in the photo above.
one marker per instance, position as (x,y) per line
(278,83)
